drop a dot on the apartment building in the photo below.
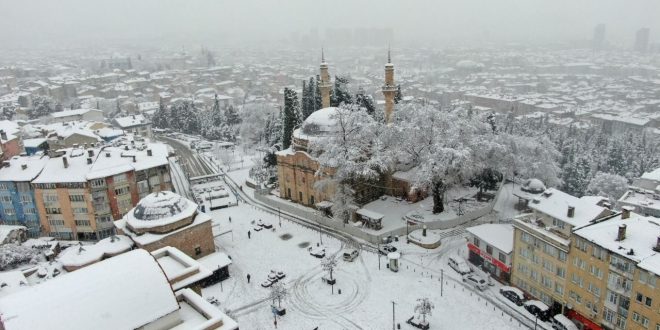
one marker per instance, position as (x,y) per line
(542,243)
(81,191)
(612,273)
(17,198)
(644,194)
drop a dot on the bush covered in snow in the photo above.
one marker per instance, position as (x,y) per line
(12,255)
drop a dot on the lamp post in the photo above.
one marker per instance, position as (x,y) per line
(393,318)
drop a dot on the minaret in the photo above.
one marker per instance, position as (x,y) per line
(324,84)
(389,89)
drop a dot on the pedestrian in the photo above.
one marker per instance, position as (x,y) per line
(248,278)
(249,235)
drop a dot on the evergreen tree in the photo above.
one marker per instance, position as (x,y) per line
(161,116)
(365,101)
(232,116)
(576,177)
(291,116)
(318,100)
(340,94)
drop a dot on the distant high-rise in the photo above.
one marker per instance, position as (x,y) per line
(642,40)
(599,36)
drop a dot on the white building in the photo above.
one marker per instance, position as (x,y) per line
(644,194)
(490,246)
(76,115)
(136,124)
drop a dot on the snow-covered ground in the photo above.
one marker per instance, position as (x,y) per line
(367,292)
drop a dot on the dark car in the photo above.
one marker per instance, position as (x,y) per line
(538,309)
(513,294)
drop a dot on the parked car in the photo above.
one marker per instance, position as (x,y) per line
(267,283)
(385,249)
(318,252)
(475,281)
(280,274)
(537,308)
(350,255)
(266,225)
(514,294)
(459,265)
(273,277)
(257,228)
(561,322)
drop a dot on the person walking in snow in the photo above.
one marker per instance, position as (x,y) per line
(249,234)
(248,278)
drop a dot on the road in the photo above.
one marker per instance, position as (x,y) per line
(188,159)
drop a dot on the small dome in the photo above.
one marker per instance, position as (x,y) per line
(160,205)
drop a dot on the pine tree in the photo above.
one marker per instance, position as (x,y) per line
(576,177)
(318,101)
(291,116)
(161,116)
(365,101)
(232,116)
(340,94)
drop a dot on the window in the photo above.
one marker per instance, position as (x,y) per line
(119,178)
(3,186)
(53,210)
(595,271)
(636,317)
(609,315)
(561,272)
(649,302)
(198,250)
(84,223)
(581,244)
(5,198)
(639,297)
(26,198)
(10,211)
(502,257)
(77,198)
(489,249)
(562,256)
(559,288)
(558,223)
(80,210)
(122,190)
(525,237)
(476,242)
(98,183)
(30,210)
(50,198)
(55,223)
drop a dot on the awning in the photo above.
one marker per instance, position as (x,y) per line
(370,214)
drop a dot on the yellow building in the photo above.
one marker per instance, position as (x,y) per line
(542,244)
(613,270)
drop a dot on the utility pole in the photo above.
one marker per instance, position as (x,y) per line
(393,320)
(442,280)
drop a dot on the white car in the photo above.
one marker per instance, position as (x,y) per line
(318,251)
(475,281)
(459,265)
(386,249)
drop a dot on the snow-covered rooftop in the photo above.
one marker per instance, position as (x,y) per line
(180,269)
(23,168)
(641,236)
(125,292)
(498,235)
(131,121)
(653,175)
(76,112)
(555,203)
(9,127)
(76,169)
(77,256)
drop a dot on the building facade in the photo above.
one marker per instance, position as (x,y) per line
(490,247)
(17,196)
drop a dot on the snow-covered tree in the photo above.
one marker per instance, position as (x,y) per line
(365,101)
(398,96)
(232,116)
(329,264)
(340,94)
(290,116)
(278,292)
(424,307)
(608,185)
(342,202)
(12,255)
(41,106)
(576,177)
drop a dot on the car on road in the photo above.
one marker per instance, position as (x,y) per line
(273,277)
(561,322)
(459,265)
(280,274)
(350,255)
(514,294)
(538,309)
(386,249)
(475,281)
(318,251)
(257,228)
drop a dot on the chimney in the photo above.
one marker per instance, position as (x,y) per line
(621,235)
(657,245)
(133,159)
(571,211)
(3,134)
(23,166)
(65,162)
(89,161)
(625,212)
(125,147)
(90,152)
(149,153)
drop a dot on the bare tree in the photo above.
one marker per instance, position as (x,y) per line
(424,307)
(278,292)
(329,264)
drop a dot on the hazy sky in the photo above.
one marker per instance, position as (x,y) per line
(28,22)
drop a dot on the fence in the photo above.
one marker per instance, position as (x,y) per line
(262,196)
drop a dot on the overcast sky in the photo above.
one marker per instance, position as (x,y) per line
(33,22)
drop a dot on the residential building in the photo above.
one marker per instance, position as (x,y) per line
(81,191)
(613,273)
(17,196)
(644,194)
(10,140)
(542,243)
(76,115)
(129,291)
(490,247)
(136,124)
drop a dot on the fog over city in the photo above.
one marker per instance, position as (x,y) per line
(263,22)
(330,165)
